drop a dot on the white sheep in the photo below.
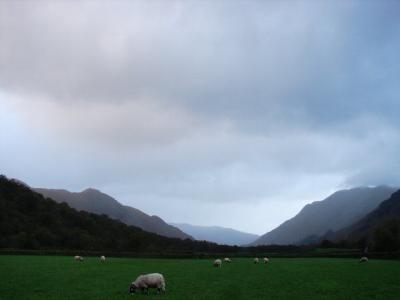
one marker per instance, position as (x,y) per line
(217,263)
(256,260)
(227,259)
(266,260)
(78,258)
(144,282)
(102,258)
(363,259)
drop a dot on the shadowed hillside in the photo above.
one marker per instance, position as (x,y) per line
(94,201)
(339,210)
(381,226)
(30,221)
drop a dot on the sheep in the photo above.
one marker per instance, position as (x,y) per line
(78,258)
(227,259)
(363,259)
(266,260)
(102,258)
(144,282)
(256,260)
(217,263)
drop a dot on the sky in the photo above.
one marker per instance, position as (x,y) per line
(229,113)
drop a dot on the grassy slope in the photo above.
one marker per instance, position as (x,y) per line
(47,277)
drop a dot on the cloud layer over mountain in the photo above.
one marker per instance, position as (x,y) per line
(184,108)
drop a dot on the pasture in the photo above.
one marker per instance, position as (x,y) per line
(60,277)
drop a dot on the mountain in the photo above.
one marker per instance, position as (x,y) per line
(336,212)
(383,222)
(30,221)
(94,201)
(216,234)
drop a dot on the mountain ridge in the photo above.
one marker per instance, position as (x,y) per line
(31,221)
(94,201)
(340,209)
(217,234)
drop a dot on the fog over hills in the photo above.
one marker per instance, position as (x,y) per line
(217,234)
(337,211)
(386,217)
(94,201)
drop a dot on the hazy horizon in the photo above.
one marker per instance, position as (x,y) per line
(226,113)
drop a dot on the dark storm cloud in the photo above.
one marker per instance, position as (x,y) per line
(242,104)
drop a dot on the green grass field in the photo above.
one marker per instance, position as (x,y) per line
(57,277)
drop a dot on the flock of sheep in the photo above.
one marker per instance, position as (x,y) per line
(157,281)
(218,262)
(80,258)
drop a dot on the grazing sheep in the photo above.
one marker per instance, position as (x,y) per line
(256,260)
(266,260)
(78,258)
(144,282)
(363,259)
(227,259)
(217,263)
(102,258)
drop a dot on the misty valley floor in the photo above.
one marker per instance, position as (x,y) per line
(57,277)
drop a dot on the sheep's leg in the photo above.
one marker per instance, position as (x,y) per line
(158,290)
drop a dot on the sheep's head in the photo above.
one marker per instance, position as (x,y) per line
(132,288)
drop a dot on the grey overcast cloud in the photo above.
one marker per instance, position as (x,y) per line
(231,113)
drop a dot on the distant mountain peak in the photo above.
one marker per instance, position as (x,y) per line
(217,234)
(155,217)
(92,190)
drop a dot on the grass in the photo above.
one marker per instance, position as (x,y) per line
(57,277)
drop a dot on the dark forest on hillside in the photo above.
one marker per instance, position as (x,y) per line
(29,221)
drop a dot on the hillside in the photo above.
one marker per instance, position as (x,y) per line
(216,234)
(379,226)
(94,201)
(336,212)
(30,221)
